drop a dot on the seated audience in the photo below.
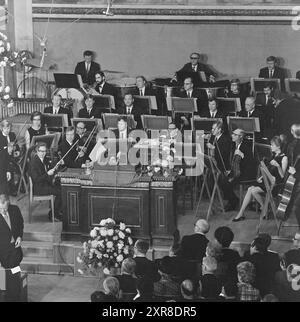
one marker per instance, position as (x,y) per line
(266,263)
(42,179)
(144,287)
(127,279)
(246,278)
(286,284)
(293,255)
(144,266)
(193,247)
(166,287)
(277,168)
(111,291)
(36,128)
(187,289)
(224,237)
(89,111)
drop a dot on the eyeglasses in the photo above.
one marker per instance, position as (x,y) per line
(80,128)
(43,151)
(194,57)
(37,119)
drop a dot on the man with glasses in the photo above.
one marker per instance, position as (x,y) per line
(42,179)
(196,66)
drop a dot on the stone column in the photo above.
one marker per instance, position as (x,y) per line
(20,34)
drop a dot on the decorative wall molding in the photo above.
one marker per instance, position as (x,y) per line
(174,14)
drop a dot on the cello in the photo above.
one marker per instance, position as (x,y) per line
(286,194)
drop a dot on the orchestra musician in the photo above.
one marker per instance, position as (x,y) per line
(87,68)
(8,143)
(36,128)
(76,156)
(294,169)
(43,177)
(242,168)
(277,167)
(142,88)
(56,107)
(273,71)
(219,146)
(89,111)
(82,136)
(130,108)
(196,66)
(235,91)
(101,86)
(213,111)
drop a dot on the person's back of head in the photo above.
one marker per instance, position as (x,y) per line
(246,272)
(111,286)
(187,289)
(210,287)
(214,250)
(209,265)
(224,236)
(201,226)
(260,245)
(141,247)
(128,266)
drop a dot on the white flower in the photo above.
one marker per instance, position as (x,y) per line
(1,87)
(121,235)
(164,163)
(126,251)
(2,49)
(106,271)
(109,244)
(16,55)
(1,43)
(156,169)
(105,255)
(128,230)
(11,104)
(97,228)
(8,46)
(110,232)
(6,97)
(120,258)
(7,89)
(122,226)
(12,64)
(115,238)
(120,245)
(103,222)
(94,243)
(93,233)
(103,232)
(80,271)
(5,59)
(110,221)
(130,241)
(79,260)
(3,63)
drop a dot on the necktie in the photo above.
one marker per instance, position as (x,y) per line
(87,68)
(141,92)
(213,115)
(270,73)
(195,68)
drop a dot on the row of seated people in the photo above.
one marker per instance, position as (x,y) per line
(199,269)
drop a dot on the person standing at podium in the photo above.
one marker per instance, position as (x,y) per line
(87,68)
(11,233)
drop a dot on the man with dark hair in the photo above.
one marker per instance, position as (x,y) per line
(89,111)
(266,263)
(273,71)
(213,111)
(144,266)
(42,178)
(224,237)
(56,107)
(87,68)
(101,85)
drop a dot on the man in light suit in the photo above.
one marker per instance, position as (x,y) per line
(87,68)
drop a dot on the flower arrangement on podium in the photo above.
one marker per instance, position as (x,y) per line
(109,245)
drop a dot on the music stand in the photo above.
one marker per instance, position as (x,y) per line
(111,120)
(292,85)
(89,123)
(152,122)
(204,123)
(63,80)
(258,84)
(56,121)
(198,78)
(146,103)
(49,139)
(104,102)
(263,151)
(229,105)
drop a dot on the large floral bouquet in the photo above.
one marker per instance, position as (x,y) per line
(109,245)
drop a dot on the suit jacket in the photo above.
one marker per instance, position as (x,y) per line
(222,151)
(136,112)
(62,110)
(202,100)
(95,112)
(107,89)
(193,247)
(146,268)
(40,178)
(87,78)
(207,114)
(69,160)
(3,139)
(278,73)
(148,91)
(9,255)
(187,68)
(268,109)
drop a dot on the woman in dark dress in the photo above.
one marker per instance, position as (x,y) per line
(35,129)
(277,167)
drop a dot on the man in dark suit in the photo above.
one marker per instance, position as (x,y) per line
(193,247)
(130,108)
(127,280)
(220,146)
(251,110)
(144,267)
(42,178)
(196,66)
(213,111)
(76,156)
(56,107)
(242,168)
(89,111)
(87,68)
(102,87)
(11,255)
(273,71)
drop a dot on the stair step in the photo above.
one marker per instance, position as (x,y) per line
(37,249)
(34,265)
(41,237)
